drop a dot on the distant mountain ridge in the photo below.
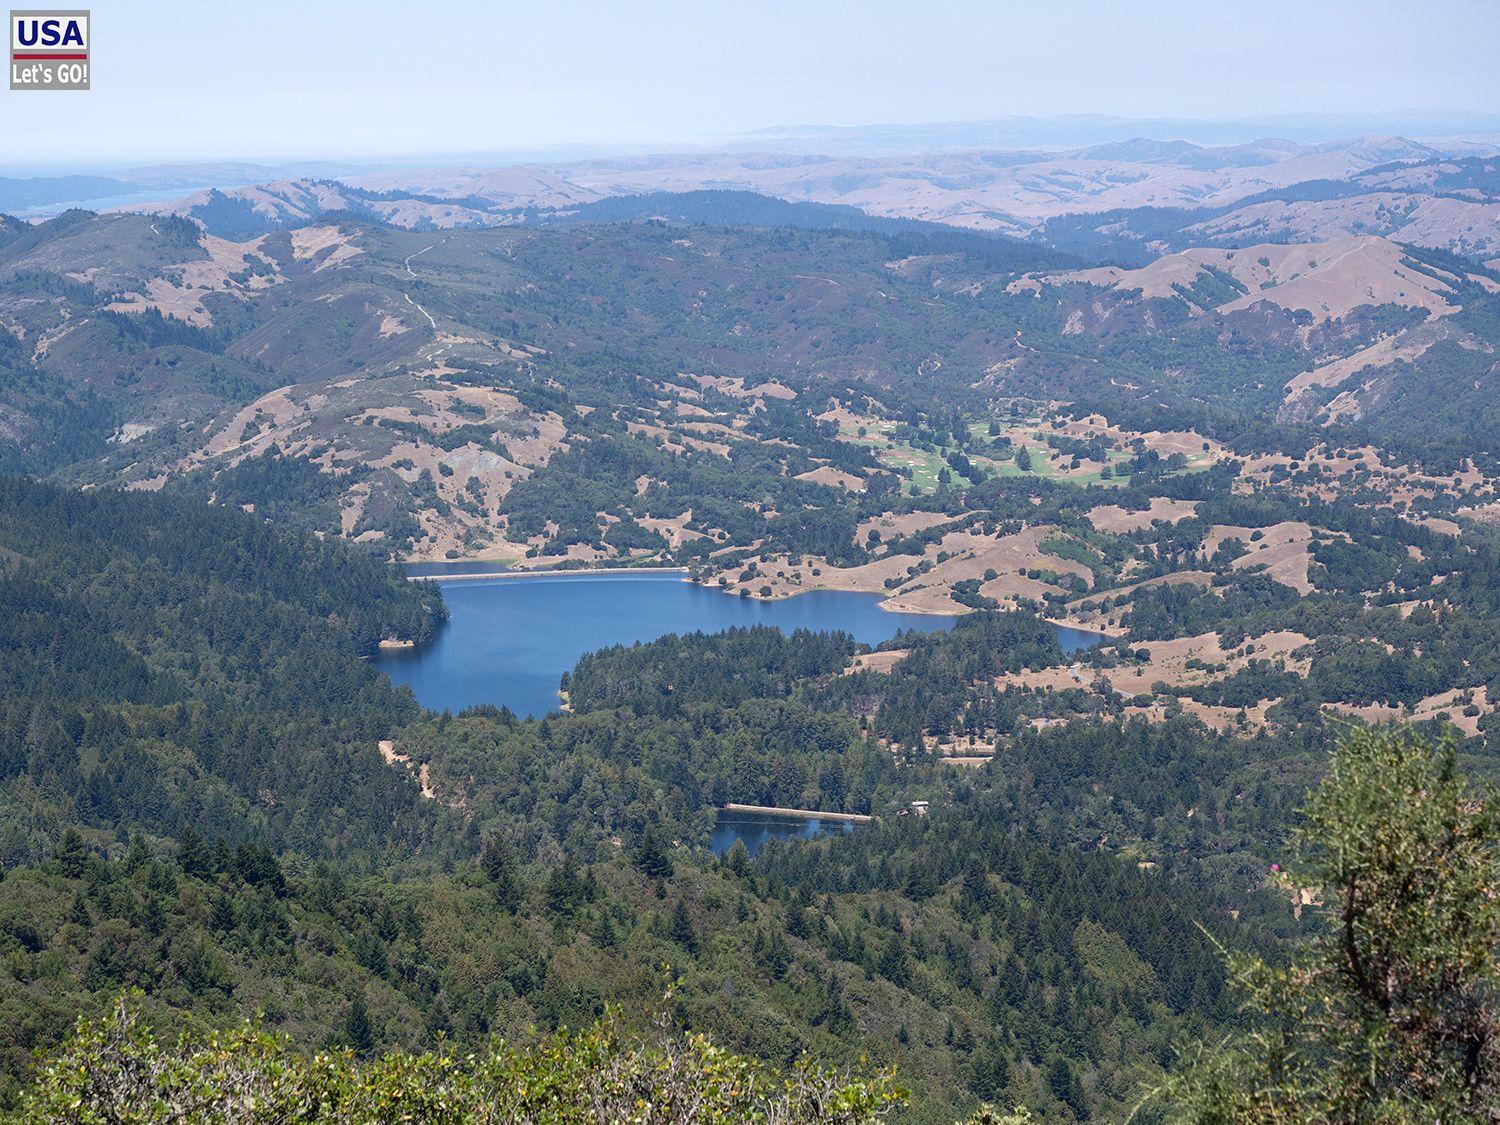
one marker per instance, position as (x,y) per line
(1125,201)
(1443,202)
(290,206)
(1082,130)
(44,195)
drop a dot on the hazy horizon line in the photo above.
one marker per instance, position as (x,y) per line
(1451,124)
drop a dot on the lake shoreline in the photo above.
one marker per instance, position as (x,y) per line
(885,605)
(509,643)
(1102,634)
(590,572)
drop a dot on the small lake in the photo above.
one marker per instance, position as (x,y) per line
(758,830)
(509,640)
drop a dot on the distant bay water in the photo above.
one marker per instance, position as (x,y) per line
(509,640)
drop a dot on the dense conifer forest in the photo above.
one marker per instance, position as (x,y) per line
(195,808)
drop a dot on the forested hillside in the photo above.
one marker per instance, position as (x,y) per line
(447,393)
(167,664)
(980,966)
(196,808)
(1048,935)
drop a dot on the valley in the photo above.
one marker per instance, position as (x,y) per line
(414,577)
(793,410)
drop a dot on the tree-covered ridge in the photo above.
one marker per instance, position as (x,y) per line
(167,663)
(1033,940)
(576,780)
(1201,805)
(574,844)
(472,390)
(944,682)
(1204,808)
(660,677)
(983,965)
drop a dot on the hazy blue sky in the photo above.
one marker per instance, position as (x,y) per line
(281,79)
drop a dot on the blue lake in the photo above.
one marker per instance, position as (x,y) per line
(758,830)
(509,640)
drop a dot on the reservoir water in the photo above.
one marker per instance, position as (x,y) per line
(509,640)
(758,830)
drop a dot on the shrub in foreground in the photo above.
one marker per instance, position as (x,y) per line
(115,1072)
(1391,1014)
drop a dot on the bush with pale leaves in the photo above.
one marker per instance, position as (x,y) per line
(115,1072)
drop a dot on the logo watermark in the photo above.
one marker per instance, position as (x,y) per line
(49,50)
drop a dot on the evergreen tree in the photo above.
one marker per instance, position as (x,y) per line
(358,1035)
(500,869)
(192,853)
(72,853)
(681,929)
(651,857)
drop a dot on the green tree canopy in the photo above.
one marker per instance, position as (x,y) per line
(1390,1013)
